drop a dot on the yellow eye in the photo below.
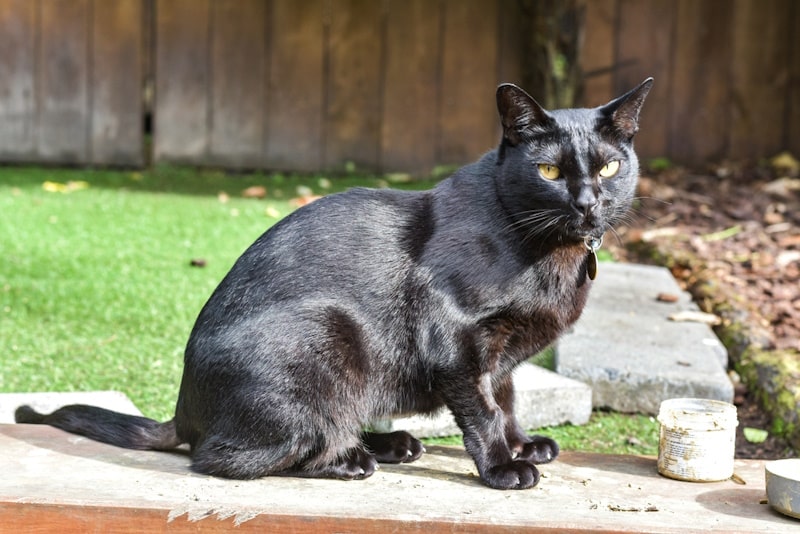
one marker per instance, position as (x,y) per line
(550,172)
(610,169)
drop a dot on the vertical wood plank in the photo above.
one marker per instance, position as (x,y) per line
(598,58)
(700,85)
(408,140)
(296,84)
(64,95)
(468,114)
(760,77)
(353,87)
(238,59)
(116,113)
(644,37)
(17,80)
(792,119)
(182,81)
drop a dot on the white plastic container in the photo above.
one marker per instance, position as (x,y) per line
(697,439)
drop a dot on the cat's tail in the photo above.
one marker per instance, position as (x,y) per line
(99,424)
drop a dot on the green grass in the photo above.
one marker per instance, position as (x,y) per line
(606,432)
(97,291)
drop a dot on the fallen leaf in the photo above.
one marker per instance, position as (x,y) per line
(255,191)
(690,316)
(301,201)
(69,187)
(786,162)
(755,435)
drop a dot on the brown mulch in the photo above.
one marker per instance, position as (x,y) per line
(743,224)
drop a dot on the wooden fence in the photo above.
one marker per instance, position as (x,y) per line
(387,85)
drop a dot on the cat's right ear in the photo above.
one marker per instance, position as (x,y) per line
(520,114)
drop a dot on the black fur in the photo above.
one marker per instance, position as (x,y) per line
(373,303)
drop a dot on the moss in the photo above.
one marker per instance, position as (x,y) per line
(774,377)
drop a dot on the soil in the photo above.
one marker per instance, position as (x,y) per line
(742,224)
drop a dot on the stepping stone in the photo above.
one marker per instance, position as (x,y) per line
(543,398)
(632,355)
(46,402)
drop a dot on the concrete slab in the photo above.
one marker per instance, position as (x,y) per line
(543,398)
(56,482)
(46,402)
(630,353)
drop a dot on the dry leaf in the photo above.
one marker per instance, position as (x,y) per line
(695,317)
(255,191)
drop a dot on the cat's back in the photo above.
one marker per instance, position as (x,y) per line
(356,242)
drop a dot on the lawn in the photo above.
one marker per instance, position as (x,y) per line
(98,289)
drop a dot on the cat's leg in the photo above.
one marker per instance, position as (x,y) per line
(295,457)
(353,464)
(536,449)
(483,423)
(393,448)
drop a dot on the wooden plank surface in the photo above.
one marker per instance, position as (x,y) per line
(792,118)
(182,81)
(644,46)
(18,118)
(296,85)
(64,94)
(700,120)
(410,102)
(57,482)
(760,76)
(238,82)
(468,113)
(599,52)
(353,86)
(116,108)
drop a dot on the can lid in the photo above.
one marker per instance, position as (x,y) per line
(697,414)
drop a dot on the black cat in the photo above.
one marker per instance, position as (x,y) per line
(373,303)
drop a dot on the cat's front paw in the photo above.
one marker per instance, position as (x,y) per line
(516,474)
(538,450)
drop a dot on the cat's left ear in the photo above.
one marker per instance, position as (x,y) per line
(520,114)
(624,111)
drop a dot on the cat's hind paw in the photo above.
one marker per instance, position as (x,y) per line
(393,448)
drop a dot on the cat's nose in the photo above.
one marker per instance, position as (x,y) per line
(586,201)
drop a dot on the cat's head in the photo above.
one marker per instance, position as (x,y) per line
(567,174)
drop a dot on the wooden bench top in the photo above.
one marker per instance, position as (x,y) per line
(51,481)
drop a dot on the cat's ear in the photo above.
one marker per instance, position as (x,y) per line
(623,112)
(520,114)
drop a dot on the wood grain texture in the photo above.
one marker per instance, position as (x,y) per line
(238,83)
(183,78)
(410,100)
(468,114)
(64,94)
(18,68)
(116,83)
(598,55)
(296,86)
(644,48)
(699,122)
(760,76)
(354,84)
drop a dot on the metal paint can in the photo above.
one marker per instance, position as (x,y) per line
(697,439)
